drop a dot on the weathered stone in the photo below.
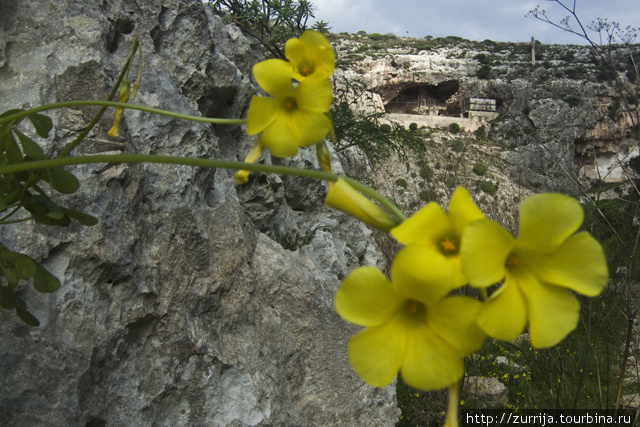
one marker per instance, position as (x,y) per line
(486,392)
(184,306)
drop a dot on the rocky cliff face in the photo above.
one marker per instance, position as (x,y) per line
(193,302)
(561,113)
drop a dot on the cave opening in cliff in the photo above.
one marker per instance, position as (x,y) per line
(427,99)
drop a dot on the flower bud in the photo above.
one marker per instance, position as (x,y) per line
(345,198)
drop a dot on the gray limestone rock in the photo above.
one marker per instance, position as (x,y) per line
(193,302)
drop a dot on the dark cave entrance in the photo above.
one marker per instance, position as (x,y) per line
(427,99)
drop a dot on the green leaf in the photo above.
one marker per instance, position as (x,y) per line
(81,217)
(5,136)
(13,150)
(16,266)
(9,113)
(30,148)
(62,181)
(42,123)
(27,317)
(45,282)
(8,298)
(56,213)
(40,206)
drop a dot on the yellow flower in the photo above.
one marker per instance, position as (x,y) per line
(410,326)
(431,234)
(309,55)
(540,270)
(347,199)
(293,116)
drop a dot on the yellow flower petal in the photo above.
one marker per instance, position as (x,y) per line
(579,264)
(307,127)
(424,227)
(311,54)
(274,76)
(553,311)
(485,248)
(429,362)
(262,112)
(462,210)
(281,138)
(366,298)
(422,274)
(547,220)
(504,314)
(314,94)
(376,353)
(454,320)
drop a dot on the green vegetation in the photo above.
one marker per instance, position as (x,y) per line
(401,182)
(457,145)
(489,187)
(270,22)
(479,169)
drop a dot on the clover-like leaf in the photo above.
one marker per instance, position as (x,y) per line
(8,298)
(28,318)
(12,149)
(45,282)
(16,266)
(42,124)
(61,180)
(41,207)
(30,148)
(10,113)
(81,217)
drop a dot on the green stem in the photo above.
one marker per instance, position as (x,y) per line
(96,119)
(67,104)
(205,163)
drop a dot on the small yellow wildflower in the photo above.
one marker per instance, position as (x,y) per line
(309,55)
(296,115)
(293,116)
(432,234)
(540,269)
(410,326)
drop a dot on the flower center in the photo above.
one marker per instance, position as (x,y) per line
(290,103)
(449,245)
(305,70)
(414,310)
(513,260)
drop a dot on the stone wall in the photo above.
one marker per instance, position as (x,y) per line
(193,302)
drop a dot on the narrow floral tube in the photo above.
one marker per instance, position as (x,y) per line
(345,198)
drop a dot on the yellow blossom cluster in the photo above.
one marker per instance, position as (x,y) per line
(415,326)
(296,114)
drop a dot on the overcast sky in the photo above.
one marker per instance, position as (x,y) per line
(498,20)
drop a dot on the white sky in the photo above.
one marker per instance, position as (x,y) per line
(497,20)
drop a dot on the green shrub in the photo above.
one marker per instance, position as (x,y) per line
(457,145)
(413,126)
(385,128)
(479,169)
(489,187)
(400,182)
(426,172)
(480,133)
(454,128)
(484,72)
(426,195)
